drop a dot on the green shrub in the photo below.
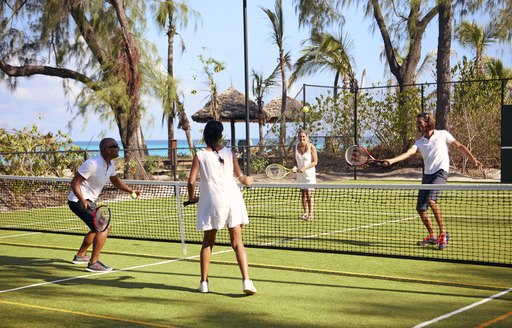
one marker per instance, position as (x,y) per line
(28,152)
(258,164)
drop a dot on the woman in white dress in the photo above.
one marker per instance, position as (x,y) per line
(221,203)
(307,159)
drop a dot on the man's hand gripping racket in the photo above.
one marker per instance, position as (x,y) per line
(357,156)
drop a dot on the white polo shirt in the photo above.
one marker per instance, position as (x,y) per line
(97,174)
(435,151)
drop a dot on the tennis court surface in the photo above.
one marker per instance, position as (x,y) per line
(154,285)
(351,219)
(306,272)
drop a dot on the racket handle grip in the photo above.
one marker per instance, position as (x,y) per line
(188,202)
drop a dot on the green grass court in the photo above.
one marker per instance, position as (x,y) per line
(154,285)
(356,220)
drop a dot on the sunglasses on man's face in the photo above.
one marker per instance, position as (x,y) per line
(113,146)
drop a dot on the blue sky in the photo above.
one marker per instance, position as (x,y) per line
(41,101)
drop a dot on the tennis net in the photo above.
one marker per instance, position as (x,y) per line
(376,220)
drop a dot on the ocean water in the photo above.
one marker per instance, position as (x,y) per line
(156,147)
(152,144)
(182,144)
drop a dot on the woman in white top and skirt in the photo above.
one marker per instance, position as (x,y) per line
(306,159)
(221,203)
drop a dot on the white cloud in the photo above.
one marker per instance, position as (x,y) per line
(41,101)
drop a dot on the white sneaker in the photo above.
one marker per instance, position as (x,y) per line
(203,287)
(249,288)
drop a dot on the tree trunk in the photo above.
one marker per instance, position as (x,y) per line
(282,133)
(336,81)
(185,126)
(405,72)
(170,132)
(133,146)
(443,64)
(132,136)
(261,150)
(170,111)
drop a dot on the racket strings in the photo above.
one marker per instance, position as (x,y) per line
(100,219)
(356,156)
(275,171)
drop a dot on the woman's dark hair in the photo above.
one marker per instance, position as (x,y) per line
(212,133)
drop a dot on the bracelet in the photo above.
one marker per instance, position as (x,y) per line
(238,177)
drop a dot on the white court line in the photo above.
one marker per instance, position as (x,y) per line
(189,257)
(28,224)
(488,299)
(336,232)
(21,235)
(100,273)
(41,232)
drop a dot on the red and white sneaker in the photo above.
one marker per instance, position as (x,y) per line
(429,240)
(443,240)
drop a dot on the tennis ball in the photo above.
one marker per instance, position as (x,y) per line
(305,109)
(133,195)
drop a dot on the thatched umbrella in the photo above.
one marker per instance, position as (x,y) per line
(292,113)
(231,108)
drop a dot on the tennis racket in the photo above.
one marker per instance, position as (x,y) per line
(357,156)
(277,171)
(187,203)
(101,216)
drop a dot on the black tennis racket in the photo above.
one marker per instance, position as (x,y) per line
(356,155)
(101,216)
(188,202)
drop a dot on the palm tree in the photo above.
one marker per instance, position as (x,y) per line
(260,87)
(211,66)
(398,25)
(476,37)
(168,15)
(277,21)
(327,52)
(495,69)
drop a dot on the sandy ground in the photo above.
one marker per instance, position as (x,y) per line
(369,173)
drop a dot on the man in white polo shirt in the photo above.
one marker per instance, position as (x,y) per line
(86,187)
(433,146)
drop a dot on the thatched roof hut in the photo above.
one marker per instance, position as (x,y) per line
(231,108)
(293,111)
